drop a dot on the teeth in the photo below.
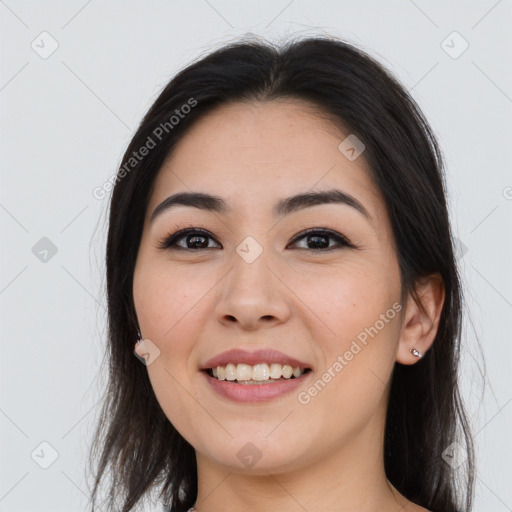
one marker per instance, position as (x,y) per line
(276,371)
(230,372)
(258,372)
(287,371)
(243,372)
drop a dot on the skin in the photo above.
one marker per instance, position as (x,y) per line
(326,455)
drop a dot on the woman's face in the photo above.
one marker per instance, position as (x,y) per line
(255,283)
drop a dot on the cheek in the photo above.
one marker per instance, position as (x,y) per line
(170,313)
(164,297)
(172,307)
(349,300)
(354,309)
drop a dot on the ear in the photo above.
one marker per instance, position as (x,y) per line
(421,318)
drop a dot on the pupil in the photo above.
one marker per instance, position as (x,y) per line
(193,239)
(323,242)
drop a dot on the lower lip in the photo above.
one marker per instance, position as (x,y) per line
(254,392)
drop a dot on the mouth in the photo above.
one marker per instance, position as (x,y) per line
(257,374)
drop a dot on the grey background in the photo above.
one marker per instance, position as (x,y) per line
(66,120)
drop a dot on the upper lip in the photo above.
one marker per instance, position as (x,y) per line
(240,356)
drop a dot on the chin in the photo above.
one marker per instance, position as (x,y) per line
(255,457)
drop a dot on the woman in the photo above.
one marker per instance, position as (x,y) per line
(279,245)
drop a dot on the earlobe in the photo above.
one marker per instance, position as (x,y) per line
(421,319)
(138,343)
(415,352)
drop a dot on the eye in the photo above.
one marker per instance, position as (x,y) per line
(318,238)
(197,239)
(194,238)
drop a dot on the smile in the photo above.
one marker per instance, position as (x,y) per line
(251,391)
(256,374)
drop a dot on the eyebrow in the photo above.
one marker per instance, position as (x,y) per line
(283,207)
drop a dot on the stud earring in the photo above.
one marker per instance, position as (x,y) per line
(415,352)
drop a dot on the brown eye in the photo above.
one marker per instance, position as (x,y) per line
(194,239)
(318,240)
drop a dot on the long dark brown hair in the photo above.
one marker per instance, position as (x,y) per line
(135,444)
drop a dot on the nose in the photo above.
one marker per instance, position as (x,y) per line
(253,295)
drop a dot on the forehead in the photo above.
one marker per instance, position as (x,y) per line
(256,153)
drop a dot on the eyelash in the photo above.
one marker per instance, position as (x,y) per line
(169,241)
